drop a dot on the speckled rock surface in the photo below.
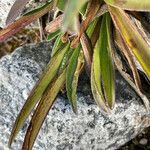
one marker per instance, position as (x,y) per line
(63,130)
(5,6)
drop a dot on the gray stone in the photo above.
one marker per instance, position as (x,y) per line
(143,141)
(5,6)
(62,129)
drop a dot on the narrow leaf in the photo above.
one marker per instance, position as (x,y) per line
(91,12)
(57,45)
(106,64)
(87,45)
(54,25)
(87,49)
(127,77)
(53,35)
(97,91)
(96,79)
(15,10)
(42,110)
(70,77)
(132,38)
(61,4)
(91,27)
(38,90)
(24,21)
(79,67)
(136,5)
(124,49)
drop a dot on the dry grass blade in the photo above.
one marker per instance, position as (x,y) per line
(132,37)
(87,50)
(103,9)
(42,110)
(142,30)
(90,14)
(24,21)
(119,66)
(143,21)
(55,24)
(16,9)
(121,44)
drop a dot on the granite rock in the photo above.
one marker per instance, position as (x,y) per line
(62,129)
(5,6)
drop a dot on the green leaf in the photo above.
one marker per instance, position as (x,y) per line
(91,28)
(96,79)
(106,64)
(24,21)
(57,45)
(42,110)
(38,90)
(61,4)
(71,12)
(137,5)
(83,9)
(132,38)
(96,90)
(71,78)
(65,60)
(91,12)
(53,35)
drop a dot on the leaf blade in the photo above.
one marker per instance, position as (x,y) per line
(38,90)
(24,21)
(53,35)
(70,78)
(106,63)
(131,36)
(136,5)
(42,109)
(96,79)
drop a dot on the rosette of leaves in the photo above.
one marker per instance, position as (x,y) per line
(98,35)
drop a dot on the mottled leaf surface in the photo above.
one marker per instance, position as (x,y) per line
(136,5)
(132,37)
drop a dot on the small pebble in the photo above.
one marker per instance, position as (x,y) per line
(143,141)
